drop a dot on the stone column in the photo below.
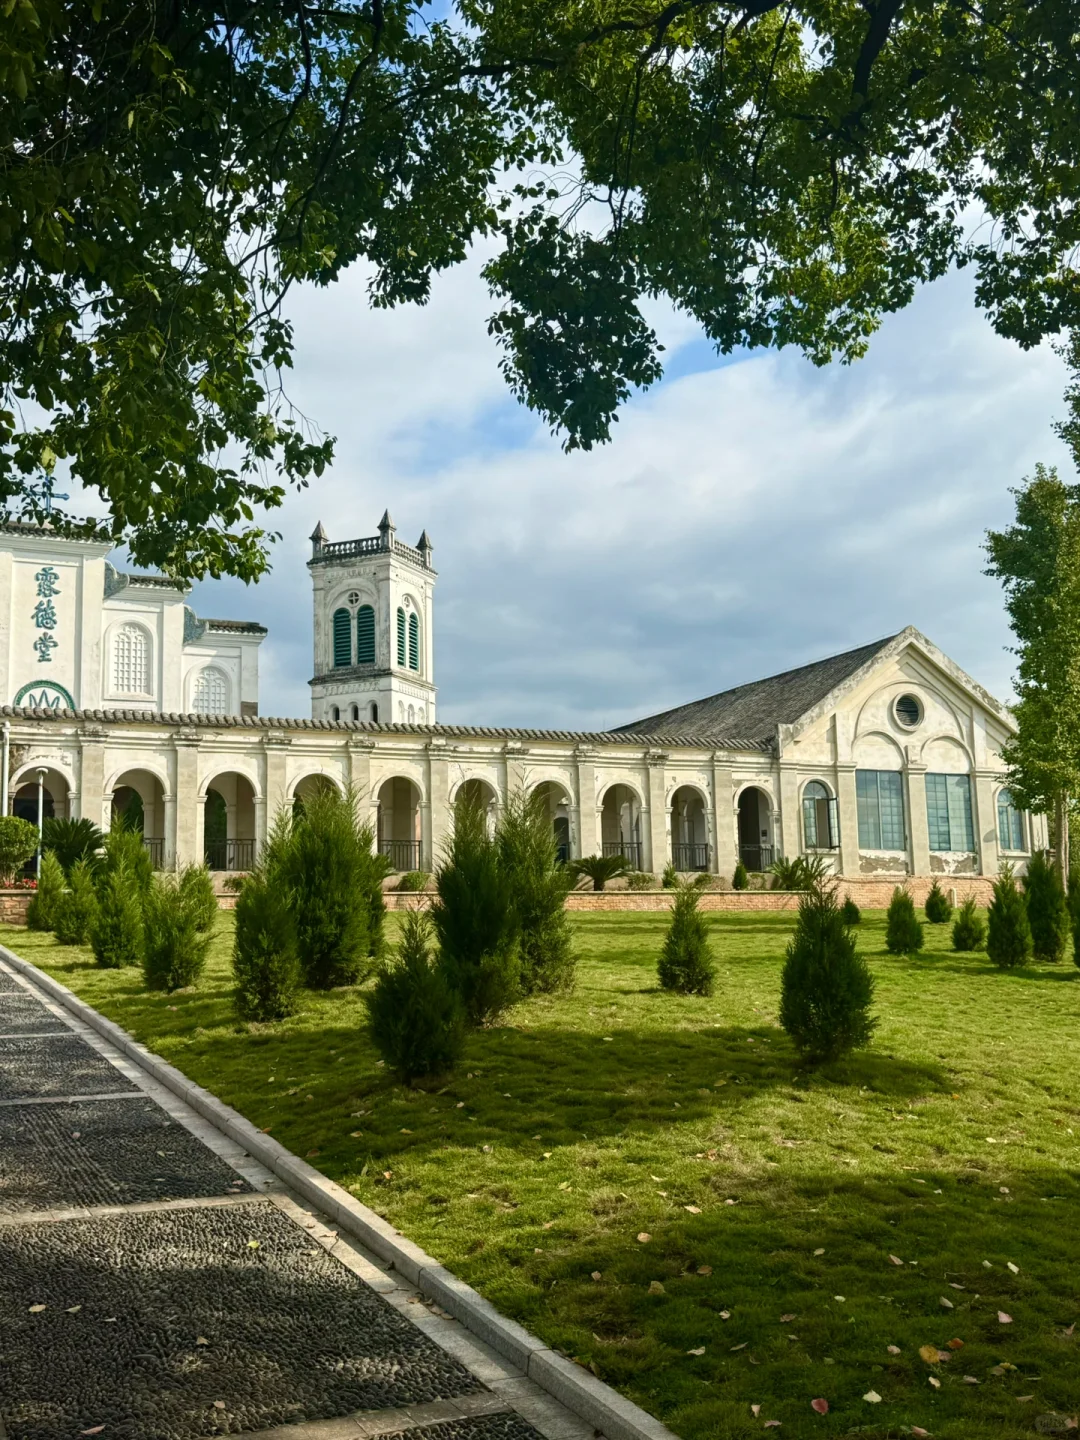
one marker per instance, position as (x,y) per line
(725,849)
(168,861)
(848,814)
(918,826)
(588,841)
(90,799)
(658,851)
(984,821)
(438,796)
(275,753)
(189,828)
(790,837)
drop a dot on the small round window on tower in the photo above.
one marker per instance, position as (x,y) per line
(908,711)
(354,597)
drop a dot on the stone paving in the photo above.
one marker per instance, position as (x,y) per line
(156,1283)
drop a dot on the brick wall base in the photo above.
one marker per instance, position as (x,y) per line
(13,905)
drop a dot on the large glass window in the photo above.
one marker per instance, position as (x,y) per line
(879,796)
(342,638)
(365,635)
(1010,823)
(820,830)
(401,637)
(948,812)
(414,642)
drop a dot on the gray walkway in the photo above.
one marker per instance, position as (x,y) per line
(156,1283)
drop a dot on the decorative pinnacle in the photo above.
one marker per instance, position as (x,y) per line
(386,523)
(319,538)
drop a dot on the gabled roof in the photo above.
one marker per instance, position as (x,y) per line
(757,708)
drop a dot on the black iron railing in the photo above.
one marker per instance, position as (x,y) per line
(690,857)
(562,853)
(757,857)
(404,855)
(156,849)
(630,849)
(230,854)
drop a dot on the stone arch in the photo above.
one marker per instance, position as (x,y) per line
(620,808)
(56,792)
(559,799)
(230,820)
(137,800)
(819,814)
(688,816)
(756,826)
(311,782)
(398,824)
(479,790)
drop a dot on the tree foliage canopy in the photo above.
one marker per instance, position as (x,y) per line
(786,173)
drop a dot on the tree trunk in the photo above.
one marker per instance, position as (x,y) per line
(1061,821)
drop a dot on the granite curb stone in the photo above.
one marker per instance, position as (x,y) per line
(576,1388)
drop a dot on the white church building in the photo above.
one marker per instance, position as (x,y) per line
(884,759)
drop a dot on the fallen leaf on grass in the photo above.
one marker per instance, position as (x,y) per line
(219,1404)
(971,1380)
(596,1275)
(872,1397)
(947,1303)
(1070,1331)
(356,1134)
(819,1252)
(896,1260)
(840,1298)
(311,1154)
(1014,1268)
(771,1425)
(73,1309)
(740,1347)
(755,1410)
(1004,1319)
(725,1314)
(253,1245)
(36,1309)
(704,1269)
(920,1432)
(955,1344)
(460,1105)
(929,1353)
(934,1381)
(97,1429)
(700,1350)
(821,1407)
(786,1319)
(893,1349)
(693,1209)
(644,1238)
(655,1288)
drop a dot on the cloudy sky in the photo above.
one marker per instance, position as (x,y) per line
(751,514)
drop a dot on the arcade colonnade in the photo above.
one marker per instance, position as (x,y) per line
(203,790)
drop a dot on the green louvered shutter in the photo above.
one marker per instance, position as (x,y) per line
(365,635)
(414,643)
(342,638)
(401,638)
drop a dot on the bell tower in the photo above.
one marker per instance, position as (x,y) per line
(374,651)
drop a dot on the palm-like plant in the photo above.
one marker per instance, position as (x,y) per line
(599,868)
(71,840)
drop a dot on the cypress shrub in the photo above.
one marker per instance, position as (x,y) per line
(116,932)
(938,907)
(475,920)
(324,857)
(198,891)
(174,949)
(969,928)
(850,912)
(416,1018)
(77,907)
(124,848)
(41,912)
(741,879)
(686,962)
(826,988)
(528,856)
(903,932)
(1008,933)
(1047,908)
(265,962)
(670,877)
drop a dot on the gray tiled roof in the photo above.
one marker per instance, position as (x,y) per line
(756,709)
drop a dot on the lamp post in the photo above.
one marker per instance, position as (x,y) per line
(40,817)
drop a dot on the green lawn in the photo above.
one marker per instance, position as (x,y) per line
(774,1198)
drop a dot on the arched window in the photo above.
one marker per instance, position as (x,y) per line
(1010,822)
(342,638)
(401,638)
(401,712)
(414,641)
(375,713)
(365,635)
(412,714)
(355,712)
(211,693)
(131,660)
(335,713)
(820,830)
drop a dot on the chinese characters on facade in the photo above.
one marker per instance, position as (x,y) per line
(44,616)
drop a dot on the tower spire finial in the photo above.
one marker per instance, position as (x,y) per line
(386,530)
(319,538)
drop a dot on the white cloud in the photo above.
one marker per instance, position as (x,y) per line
(746,517)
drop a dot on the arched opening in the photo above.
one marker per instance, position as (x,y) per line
(401,638)
(307,787)
(557,800)
(414,642)
(755,829)
(374,713)
(229,823)
(53,792)
(481,794)
(620,824)
(689,830)
(398,823)
(365,635)
(335,713)
(354,712)
(342,636)
(821,829)
(138,802)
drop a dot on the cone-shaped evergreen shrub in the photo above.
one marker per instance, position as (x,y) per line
(938,906)
(174,949)
(41,912)
(77,907)
(741,879)
(969,928)
(686,962)
(326,860)
(416,1017)
(475,919)
(1047,908)
(198,891)
(850,912)
(826,989)
(670,877)
(1008,933)
(530,860)
(903,929)
(265,963)
(124,847)
(116,934)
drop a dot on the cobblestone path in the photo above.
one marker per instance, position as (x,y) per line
(156,1283)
